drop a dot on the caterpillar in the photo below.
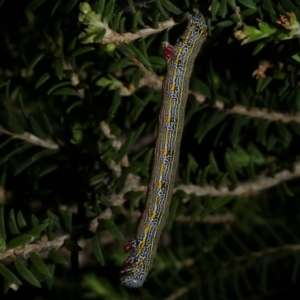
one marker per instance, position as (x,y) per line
(180,61)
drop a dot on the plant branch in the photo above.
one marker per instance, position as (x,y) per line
(152,80)
(246,188)
(41,246)
(30,138)
(116,38)
(261,113)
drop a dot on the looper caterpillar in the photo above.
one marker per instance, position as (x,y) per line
(180,62)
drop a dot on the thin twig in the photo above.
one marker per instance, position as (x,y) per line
(247,188)
(127,37)
(244,189)
(149,79)
(152,80)
(30,138)
(211,219)
(184,290)
(261,113)
(37,248)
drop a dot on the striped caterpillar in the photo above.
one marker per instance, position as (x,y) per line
(180,62)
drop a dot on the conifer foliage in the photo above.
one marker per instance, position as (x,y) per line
(80,92)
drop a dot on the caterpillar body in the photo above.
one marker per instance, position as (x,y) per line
(180,62)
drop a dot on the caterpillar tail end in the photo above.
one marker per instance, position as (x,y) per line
(131,281)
